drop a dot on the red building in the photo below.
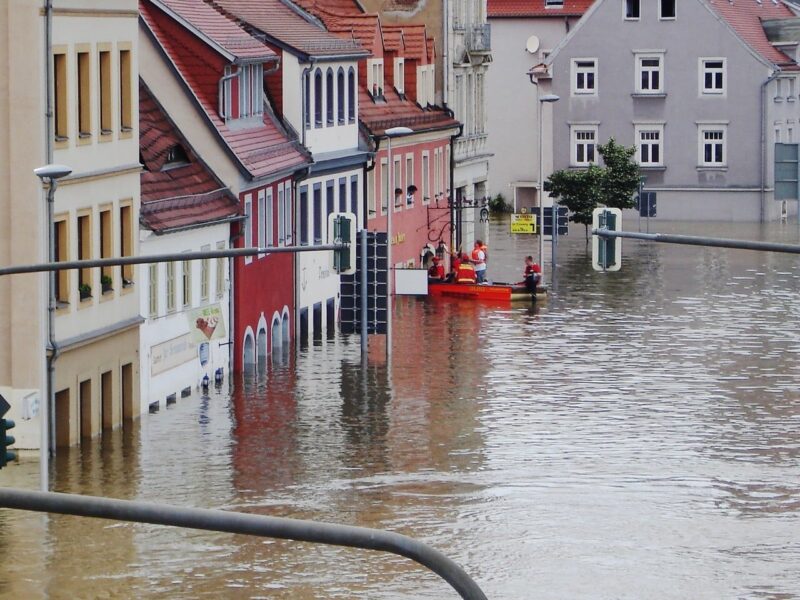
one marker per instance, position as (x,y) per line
(208,73)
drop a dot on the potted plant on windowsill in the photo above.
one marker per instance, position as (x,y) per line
(85,291)
(106,282)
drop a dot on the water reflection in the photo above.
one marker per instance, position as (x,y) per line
(636,436)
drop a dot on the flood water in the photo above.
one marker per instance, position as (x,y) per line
(637,436)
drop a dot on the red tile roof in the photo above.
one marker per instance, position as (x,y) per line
(415,41)
(745,16)
(181,196)
(287,26)
(377,117)
(336,7)
(264,150)
(535,8)
(365,28)
(220,32)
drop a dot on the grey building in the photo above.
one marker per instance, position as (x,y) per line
(705,89)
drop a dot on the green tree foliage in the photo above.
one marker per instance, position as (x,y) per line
(612,185)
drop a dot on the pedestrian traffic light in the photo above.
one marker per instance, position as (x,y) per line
(606,251)
(342,230)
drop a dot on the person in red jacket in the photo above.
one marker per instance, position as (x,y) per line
(436,271)
(466,272)
(532,274)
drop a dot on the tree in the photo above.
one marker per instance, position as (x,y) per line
(612,185)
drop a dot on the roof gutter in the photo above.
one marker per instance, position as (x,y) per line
(222,221)
(763,109)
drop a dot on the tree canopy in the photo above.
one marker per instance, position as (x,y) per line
(612,185)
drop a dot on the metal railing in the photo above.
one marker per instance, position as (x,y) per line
(248,524)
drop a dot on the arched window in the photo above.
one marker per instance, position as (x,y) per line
(318,98)
(340,96)
(307,86)
(330,97)
(351,95)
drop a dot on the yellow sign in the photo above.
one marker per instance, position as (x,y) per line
(523,223)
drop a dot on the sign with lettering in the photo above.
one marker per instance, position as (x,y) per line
(172,353)
(523,223)
(206,323)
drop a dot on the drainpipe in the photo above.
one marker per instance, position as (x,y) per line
(47,443)
(763,108)
(48,86)
(367,169)
(455,231)
(296,178)
(445,50)
(303,116)
(221,93)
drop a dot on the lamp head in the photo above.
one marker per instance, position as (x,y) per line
(52,172)
(398,131)
(549,98)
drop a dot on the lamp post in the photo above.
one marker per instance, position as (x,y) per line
(390,133)
(549,98)
(49,174)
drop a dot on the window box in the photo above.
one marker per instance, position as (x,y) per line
(107,284)
(84,291)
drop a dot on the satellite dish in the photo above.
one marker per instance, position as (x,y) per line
(532,45)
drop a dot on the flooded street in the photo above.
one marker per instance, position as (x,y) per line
(637,436)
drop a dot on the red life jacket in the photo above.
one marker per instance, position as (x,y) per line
(476,259)
(466,273)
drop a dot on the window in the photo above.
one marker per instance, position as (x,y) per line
(384,186)
(712,145)
(84,95)
(437,172)
(667,9)
(307,100)
(304,216)
(104,61)
(399,75)
(398,182)
(317,213)
(340,96)
(60,96)
(125,97)
(61,254)
(649,79)
(553,3)
(426,176)
(176,157)
(649,140)
(632,9)
(375,77)
(318,98)
(281,217)
(287,214)
(372,194)
(584,140)
(343,194)
(153,290)
(262,221)
(205,275)
(186,282)
(126,241)
(248,225)
(330,95)
(106,245)
(410,179)
(85,248)
(220,271)
(584,76)
(269,220)
(170,287)
(480,118)
(330,207)
(351,96)
(712,75)
(251,101)
(354,197)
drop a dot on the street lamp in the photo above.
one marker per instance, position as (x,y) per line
(549,98)
(49,175)
(390,133)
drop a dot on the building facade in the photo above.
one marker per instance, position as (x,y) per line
(704,90)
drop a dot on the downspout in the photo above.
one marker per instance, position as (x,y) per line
(445,51)
(455,231)
(51,351)
(364,182)
(763,108)
(296,178)
(221,93)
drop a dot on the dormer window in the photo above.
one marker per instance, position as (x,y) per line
(242,92)
(375,77)
(176,157)
(399,75)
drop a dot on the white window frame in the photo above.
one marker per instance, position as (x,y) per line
(702,130)
(374,76)
(262,221)
(287,215)
(574,131)
(397,159)
(641,69)
(661,11)
(153,290)
(205,275)
(385,192)
(281,216)
(409,160)
(248,226)
(642,128)
(625,16)
(219,283)
(703,69)
(580,74)
(399,75)
(426,177)
(270,220)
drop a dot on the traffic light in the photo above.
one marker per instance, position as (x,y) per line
(342,230)
(6,455)
(606,251)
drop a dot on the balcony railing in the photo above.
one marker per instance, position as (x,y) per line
(479,39)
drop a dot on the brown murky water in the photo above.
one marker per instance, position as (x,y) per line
(636,437)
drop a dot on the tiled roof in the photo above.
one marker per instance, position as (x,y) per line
(366,28)
(181,196)
(263,150)
(745,16)
(377,117)
(336,7)
(218,31)
(288,27)
(414,39)
(535,8)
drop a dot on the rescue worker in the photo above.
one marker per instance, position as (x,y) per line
(436,271)
(479,261)
(466,272)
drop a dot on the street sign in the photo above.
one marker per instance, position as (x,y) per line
(523,223)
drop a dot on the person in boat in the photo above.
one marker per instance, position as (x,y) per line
(466,272)
(479,261)
(532,274)
(455,262)
(436,270)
